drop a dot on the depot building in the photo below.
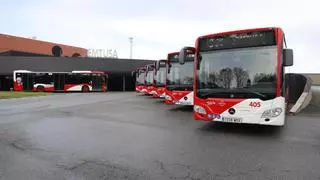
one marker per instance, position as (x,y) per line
(17,53)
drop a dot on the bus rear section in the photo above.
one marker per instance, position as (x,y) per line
(24,80)
(84,81)
(240,76)
(179,80)
(160,79)
(150,89)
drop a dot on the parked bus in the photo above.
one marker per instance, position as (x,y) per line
(141,82)
(84,81)
(150,89)
(179,81)
(239,76)
(139,73)
(160,79)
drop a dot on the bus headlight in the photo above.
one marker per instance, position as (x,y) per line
(271,113)
(199,109)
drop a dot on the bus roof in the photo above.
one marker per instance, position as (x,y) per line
(85,72)
(142,68)
(21,71)
(172,54)
(148,66)
(239,31)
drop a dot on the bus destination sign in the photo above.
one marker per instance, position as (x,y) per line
(162,63)
(175,58)
(238,40)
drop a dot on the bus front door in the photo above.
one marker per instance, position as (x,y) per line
(27,80)
(59,80)
(96,83)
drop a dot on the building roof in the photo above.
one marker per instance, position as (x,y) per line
(66,64)
(26,45)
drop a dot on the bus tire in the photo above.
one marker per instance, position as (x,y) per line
(85,89)
(40,89)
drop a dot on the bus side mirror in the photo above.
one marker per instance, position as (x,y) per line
(184,53)
(287,57)
(169,67)
(182,56)
(157,65)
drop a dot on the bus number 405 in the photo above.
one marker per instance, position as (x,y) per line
(255,104)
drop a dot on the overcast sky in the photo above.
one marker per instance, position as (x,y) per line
(159,27)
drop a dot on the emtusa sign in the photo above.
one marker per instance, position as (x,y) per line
(102,53)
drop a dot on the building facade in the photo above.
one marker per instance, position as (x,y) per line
(28,54)
(13,45)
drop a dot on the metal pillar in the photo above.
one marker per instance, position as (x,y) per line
(124,83)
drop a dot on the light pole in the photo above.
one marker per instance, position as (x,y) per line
(131,41)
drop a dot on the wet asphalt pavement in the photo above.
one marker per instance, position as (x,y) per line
(123,136)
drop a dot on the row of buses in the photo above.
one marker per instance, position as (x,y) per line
(232,77)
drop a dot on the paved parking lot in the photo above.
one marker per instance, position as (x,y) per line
(125,136)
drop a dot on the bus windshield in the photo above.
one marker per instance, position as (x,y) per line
(141,78)
(238,73)
(180,76)
(160,77)
(149,79)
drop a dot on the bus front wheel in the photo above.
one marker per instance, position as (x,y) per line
(40,89)
(85,89)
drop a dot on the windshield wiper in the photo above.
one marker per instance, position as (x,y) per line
(227,93)
(253,92)
(207,93)
(180,87)
(160,85)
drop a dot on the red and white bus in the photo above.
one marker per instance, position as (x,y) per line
(84,81)
(150,89)
(179,80)
(239,76)
(160,79)
(140,80)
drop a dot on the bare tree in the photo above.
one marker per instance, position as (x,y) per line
(212,79)
(262,77)
(241,76)
(187,80)
(226,77)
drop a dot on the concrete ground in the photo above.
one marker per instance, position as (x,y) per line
(121,136)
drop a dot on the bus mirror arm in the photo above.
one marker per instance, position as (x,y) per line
(287,57)
(198,61)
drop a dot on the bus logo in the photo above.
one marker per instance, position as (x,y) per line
(232,111)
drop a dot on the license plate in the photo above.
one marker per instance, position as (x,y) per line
(183,103)
(231,119)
